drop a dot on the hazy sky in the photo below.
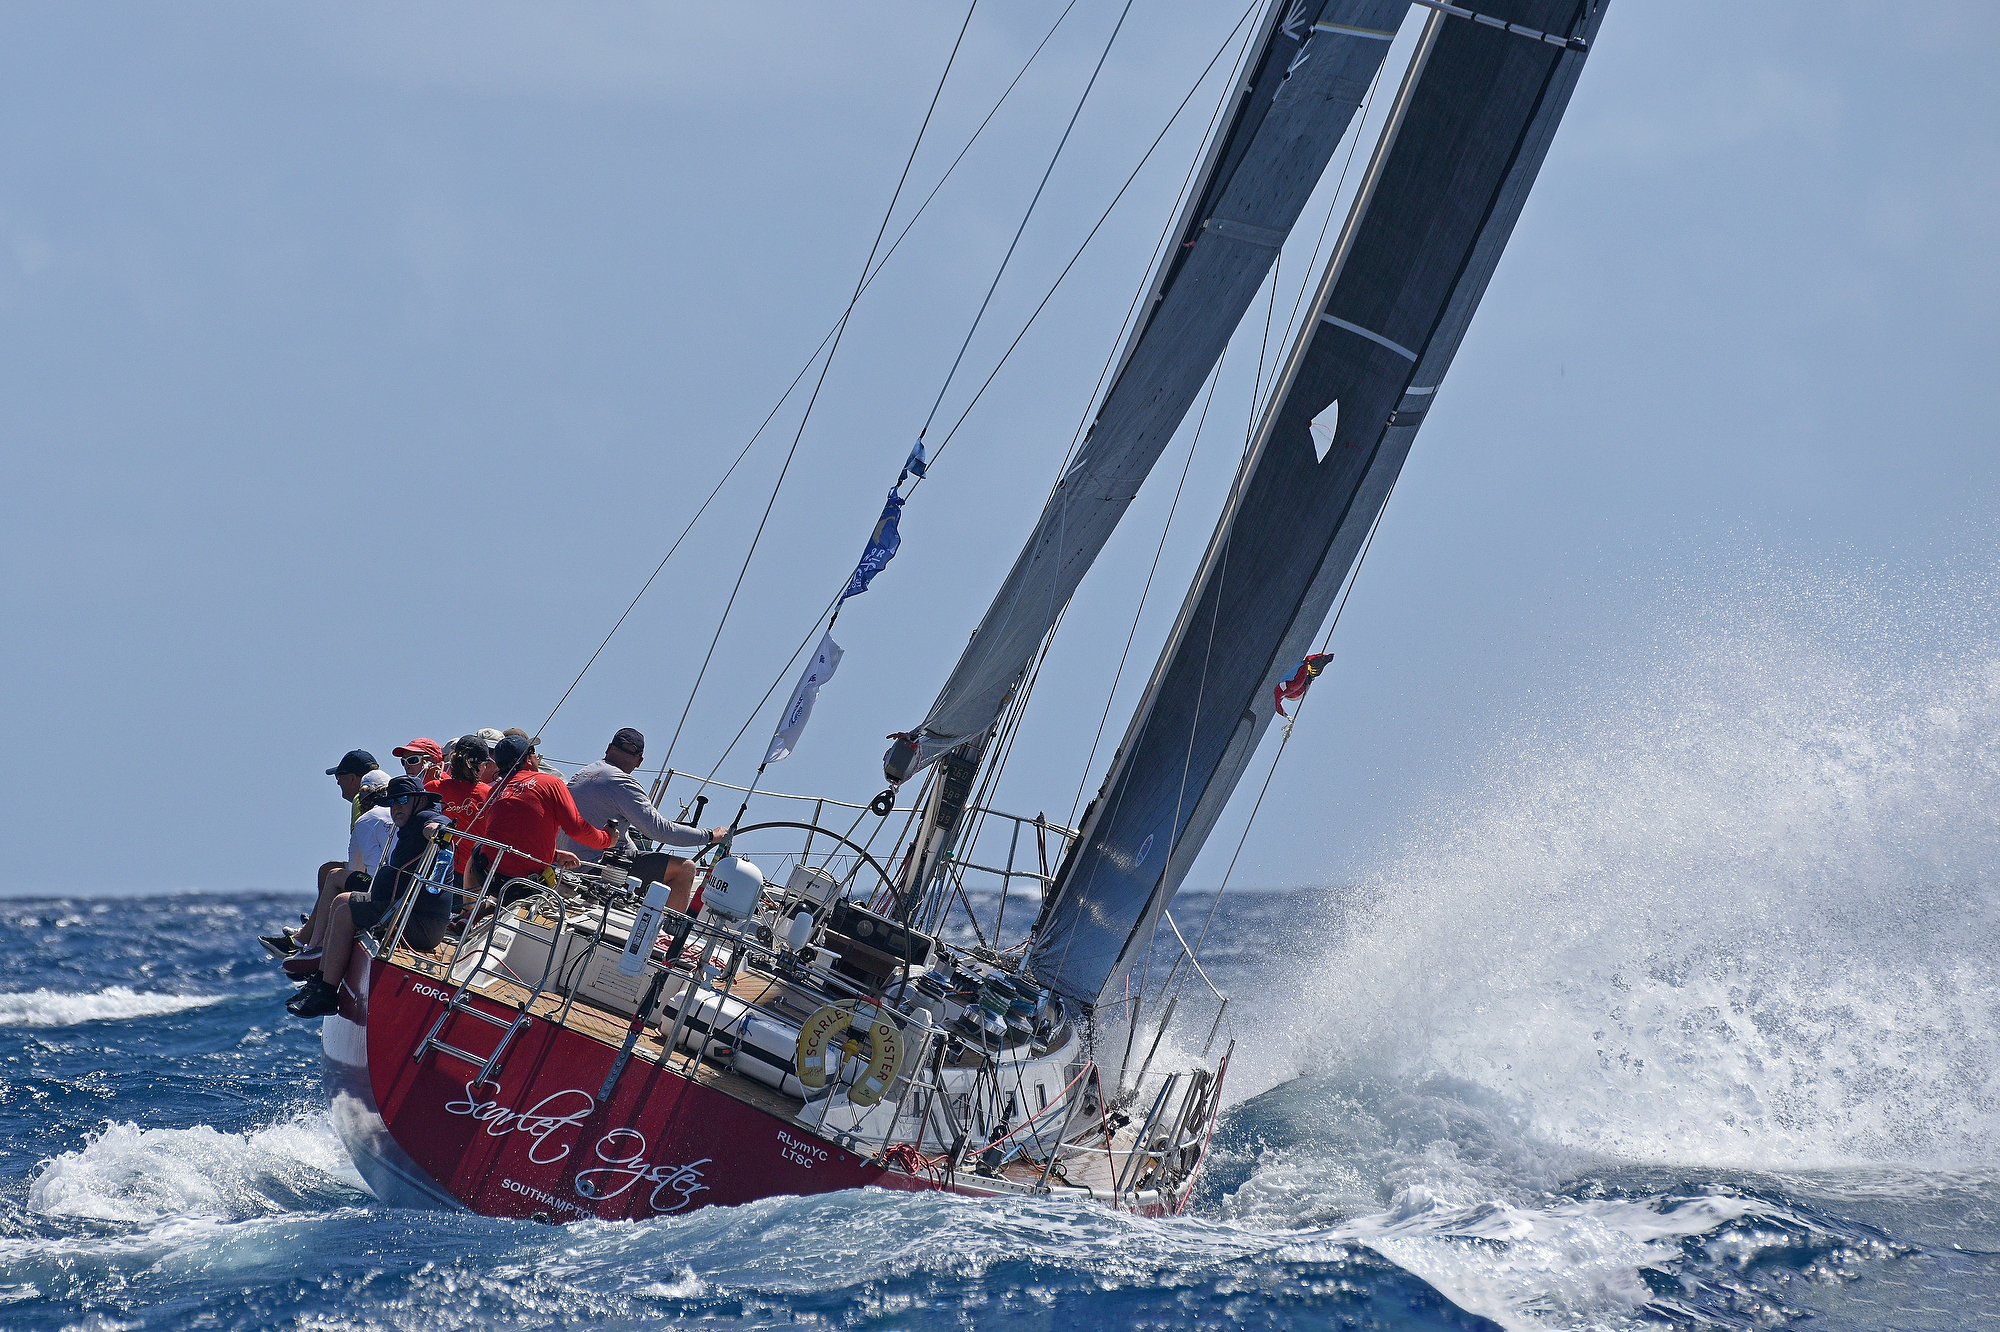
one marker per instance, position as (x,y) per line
(361,361)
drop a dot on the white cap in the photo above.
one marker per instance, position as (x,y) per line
(377,780)
(490,736)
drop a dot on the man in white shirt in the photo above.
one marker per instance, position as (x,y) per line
(355,769)
(367,842)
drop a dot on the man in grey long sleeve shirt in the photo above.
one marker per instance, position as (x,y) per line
(607,790)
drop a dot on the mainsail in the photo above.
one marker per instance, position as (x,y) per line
(1312,69)
(1471,124)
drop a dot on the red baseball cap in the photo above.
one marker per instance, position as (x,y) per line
(429,749)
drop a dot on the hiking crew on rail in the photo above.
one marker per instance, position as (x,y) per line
(489,784)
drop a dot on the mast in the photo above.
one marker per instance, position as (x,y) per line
(1312,66)
(1465,139)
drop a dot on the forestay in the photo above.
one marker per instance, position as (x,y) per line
(1465,139)
(1313,66)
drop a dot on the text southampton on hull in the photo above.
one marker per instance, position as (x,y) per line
(839,1009)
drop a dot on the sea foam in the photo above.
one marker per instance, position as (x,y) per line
(1730,904)
(146,1175)
(58,1008)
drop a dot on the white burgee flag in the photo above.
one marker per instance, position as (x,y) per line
(800,710)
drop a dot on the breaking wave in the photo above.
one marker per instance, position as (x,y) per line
(145,1175)
(56,1008)
(1736,909)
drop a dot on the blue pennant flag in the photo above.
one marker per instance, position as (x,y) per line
(882,545)
(913,465)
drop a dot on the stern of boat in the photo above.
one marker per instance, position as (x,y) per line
(391,1175)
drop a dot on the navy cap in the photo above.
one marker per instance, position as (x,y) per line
(511,750)
(355,761)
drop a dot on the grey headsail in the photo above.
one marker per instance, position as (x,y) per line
(1301,89)
(1464,141)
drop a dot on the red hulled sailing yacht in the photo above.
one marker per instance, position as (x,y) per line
(576,1049)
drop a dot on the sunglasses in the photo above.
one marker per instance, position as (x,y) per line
(413,760)
(402,800)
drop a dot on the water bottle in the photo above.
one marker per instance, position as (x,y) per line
(440,875)
(632,962)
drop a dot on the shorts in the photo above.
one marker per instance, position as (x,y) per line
(423,933)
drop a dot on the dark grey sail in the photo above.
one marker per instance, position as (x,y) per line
(1466,137)
(1312,69)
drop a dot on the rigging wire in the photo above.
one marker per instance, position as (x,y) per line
(1008,257)
(1176,830)
(1111,695)
(631,605)
(1159,249)
(988,793)
(812,360)
(1195,88)
(1325,641)
(825,368)
(1356,135)
(1201,79)
(995,768)
(776,680)
(1153,265)
(1360,124)
(1333,204)
(1263,353)
(870,275)
(1126,324)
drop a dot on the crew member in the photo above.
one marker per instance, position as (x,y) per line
(525,811)
(607,790)
(367,842)
(460,791)
(347,774)
(422,759)
(370,901)
(353,766)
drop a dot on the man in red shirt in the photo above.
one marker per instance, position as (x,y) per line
(525,811)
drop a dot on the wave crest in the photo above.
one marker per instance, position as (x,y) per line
(145,1175)
(58,1008)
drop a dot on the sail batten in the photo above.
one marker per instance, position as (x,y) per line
(1473,120)
(1302,90)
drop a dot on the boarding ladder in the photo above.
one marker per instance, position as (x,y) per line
(459,1003)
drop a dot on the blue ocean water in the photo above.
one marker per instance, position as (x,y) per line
(167,1163)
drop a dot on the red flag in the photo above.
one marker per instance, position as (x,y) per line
(1295,687)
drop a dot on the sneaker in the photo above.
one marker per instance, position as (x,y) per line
(317,999)
(305,962)
(282,944)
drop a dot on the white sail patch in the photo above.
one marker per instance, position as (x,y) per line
(1323,427)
